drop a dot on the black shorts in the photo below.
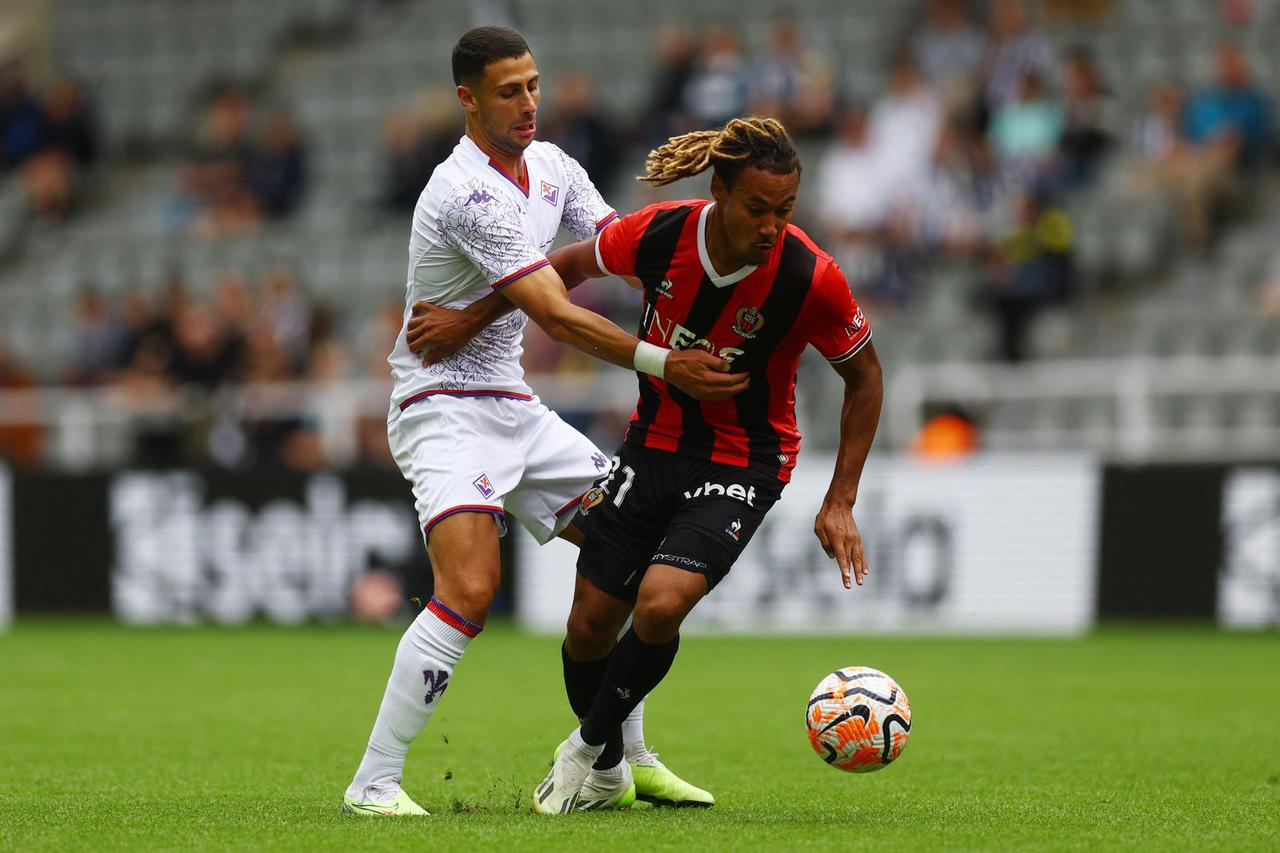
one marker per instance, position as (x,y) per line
(660,507)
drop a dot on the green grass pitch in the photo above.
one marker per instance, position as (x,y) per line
(1130,739)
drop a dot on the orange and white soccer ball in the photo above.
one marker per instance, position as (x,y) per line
(859,719)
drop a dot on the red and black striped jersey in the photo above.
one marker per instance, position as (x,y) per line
(759,319)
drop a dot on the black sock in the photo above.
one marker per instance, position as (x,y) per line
(582,683)
(635,668)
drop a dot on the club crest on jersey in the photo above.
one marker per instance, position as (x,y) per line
(483,486)
(593,497)
(734,529)
(748,322)
(550,192)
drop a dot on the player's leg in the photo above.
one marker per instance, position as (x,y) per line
(716,513)
(466,568)
(453,455)
(633,669)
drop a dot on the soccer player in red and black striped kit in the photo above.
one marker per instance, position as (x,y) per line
(694,479)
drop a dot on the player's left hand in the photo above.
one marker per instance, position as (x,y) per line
(435,333)
(840,539)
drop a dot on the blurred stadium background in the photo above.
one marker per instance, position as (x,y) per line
(1062,218)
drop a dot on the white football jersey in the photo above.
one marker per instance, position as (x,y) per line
(477,229)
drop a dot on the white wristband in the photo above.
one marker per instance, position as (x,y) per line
(651,359)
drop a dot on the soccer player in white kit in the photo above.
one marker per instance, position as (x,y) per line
(466,431)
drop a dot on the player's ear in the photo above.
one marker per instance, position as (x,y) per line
(467,98)
(719,191)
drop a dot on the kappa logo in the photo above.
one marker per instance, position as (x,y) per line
(483,486)
(855,327)
(437,681)
(598,460)
(479,197)
(624,693)
(748,322)
(550,192)
(734,529)
(664,288)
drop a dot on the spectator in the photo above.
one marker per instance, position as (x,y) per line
(853,195)
(948,48)
(100,340)
(415,141)
(285,313)
(214,197)
(277,167)
(1234,114)
(579,127)
(1024,133)
(21,118)
(1031,270)
(796,82)
(1089,119)
(904,126)
(1015,49)
(721,80)
(69,124)
(964,203)
(208,351)
(675,52)
(1199,179)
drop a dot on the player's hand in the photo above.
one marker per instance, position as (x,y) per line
(839,536)
(435,333)
(702,375)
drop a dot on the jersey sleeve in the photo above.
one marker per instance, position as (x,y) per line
(837,328)
(487,227)
(585,210)
(617,244)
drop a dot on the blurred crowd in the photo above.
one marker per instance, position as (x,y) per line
(244,164)
(48,137)
(983,133)
(969,152)
(151,351)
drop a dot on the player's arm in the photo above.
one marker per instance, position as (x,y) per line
(438,333)
(542,295)
(859,416)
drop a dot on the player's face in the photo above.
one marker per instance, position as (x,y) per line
(755,211)
(506,103)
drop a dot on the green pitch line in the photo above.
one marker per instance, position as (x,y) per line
(244,739)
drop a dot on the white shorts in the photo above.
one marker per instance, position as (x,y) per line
(489,454)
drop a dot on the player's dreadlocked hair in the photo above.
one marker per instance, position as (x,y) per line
(755,141)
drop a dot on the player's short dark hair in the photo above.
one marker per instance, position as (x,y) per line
(756,141)
(481,46)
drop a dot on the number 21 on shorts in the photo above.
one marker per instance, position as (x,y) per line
(628,477)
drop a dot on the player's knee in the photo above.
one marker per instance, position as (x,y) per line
(470,596)
(658,616)
(589,636)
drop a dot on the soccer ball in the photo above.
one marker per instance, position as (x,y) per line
(858,719)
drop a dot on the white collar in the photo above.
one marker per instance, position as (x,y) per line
(716,279)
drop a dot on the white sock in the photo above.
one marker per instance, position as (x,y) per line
(576,741)
(633,747)
(425,659)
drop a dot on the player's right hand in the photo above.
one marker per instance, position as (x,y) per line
(702,375)
(435,333)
